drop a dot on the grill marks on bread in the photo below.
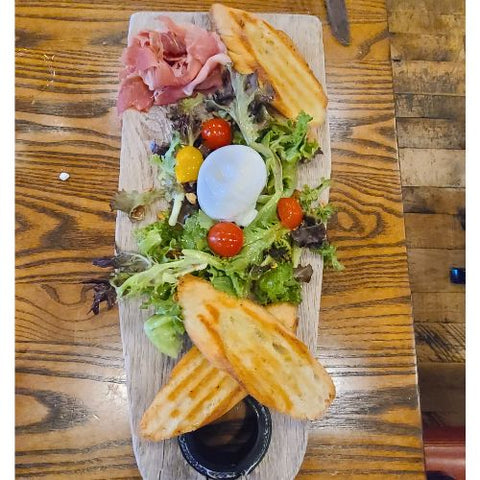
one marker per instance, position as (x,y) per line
(254,45)
(198,393)
(245,340)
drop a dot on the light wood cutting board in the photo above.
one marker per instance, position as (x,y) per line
(146,369)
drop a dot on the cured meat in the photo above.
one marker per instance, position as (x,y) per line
(165,65)
(134,94)
(206,71)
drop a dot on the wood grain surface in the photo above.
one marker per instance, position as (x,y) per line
(72,416)
(428,57)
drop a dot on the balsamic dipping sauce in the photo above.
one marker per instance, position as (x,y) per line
(231,446)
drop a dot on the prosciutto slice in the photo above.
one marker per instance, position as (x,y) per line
(172,62)
(134,94)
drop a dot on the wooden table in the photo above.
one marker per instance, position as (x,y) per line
(71,397)
(428,53)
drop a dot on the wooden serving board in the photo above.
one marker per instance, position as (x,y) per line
(146,369)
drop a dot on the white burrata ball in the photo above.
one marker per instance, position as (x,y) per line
(229,183)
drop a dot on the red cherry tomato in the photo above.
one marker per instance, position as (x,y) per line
(216,133)
(290,212)
(225,239)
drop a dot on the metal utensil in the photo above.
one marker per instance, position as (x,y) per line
(338,18)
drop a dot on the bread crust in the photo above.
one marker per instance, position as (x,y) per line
(192,403)
(245,340)
(254,45)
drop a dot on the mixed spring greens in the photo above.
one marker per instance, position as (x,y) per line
(267,268)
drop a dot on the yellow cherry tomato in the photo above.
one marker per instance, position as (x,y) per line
(188,162)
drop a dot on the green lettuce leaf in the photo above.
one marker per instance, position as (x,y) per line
(166,165)
(231,284)
(312,233)
(288,141)
(195,231)
(166,333)
(245,105)
(278,285)
(157,285)
(134,203)
(329,255)
(172,190)
(157,240)
(165,327)
(256,240)
(163,242)
(308,198)
(148,281)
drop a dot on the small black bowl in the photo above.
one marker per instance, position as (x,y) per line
(247,442)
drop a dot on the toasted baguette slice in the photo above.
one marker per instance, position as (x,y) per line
(246,341)
(197,393)
(254,45)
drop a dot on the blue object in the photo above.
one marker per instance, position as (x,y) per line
(154,148)
(457,275)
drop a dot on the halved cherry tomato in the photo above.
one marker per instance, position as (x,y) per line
(225,239)
(290,212)
(216,133)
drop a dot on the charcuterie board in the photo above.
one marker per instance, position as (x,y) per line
(147,369)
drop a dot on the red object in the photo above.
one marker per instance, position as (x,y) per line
(225,239)
(216,133)
(135,94)
(168,64)
(445,451)
(290,212)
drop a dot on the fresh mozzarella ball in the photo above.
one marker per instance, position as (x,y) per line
(229,183)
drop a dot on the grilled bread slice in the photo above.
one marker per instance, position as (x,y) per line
(197,393)
(254,45)
(246,341)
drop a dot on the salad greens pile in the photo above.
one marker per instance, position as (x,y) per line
(267,268)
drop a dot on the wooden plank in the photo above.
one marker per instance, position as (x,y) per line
(445,307)
(434,200)
(434,7)
(420,21)
(431,133)
(430,269)
(373,44)
(66,406)
(56,312)
(69,365)
(421,76)
(146,369)
(442,388)
(432,167)
(359,11)
(440,342)
(434,230)
(432,47)
(429,106)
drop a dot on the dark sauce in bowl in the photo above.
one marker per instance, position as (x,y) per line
(231,446)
